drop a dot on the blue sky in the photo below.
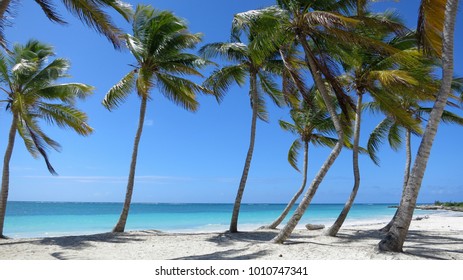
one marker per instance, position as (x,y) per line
(198,157)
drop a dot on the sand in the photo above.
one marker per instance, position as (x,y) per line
(438,237)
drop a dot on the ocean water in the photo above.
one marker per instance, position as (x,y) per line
(40,219)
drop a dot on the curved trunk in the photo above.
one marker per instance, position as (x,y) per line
(334,229)
(293,200)
(408,163)
(247,164)
(6,172)
(395,238)
(299,212)
(120,226)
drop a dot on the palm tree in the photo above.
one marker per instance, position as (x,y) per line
(32,96)
(384,77)
(311,123)
(260,67)
(313,24)
(395,131)
(158,43)
(89,12)
(434,14)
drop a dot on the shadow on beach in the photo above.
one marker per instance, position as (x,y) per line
(151,244)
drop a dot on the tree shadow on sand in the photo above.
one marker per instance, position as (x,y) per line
(232,254)
(228,239)
(80,242)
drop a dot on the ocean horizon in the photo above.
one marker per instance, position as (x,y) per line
(51,219)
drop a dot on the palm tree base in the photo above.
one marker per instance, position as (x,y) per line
(267,227)
(390,243)
(118,228)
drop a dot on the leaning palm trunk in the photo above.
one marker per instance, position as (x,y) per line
(408,164)
(334,229)
(293,200)
(120,226)
(395,238)
(247,164)
(6,173)
(299,212)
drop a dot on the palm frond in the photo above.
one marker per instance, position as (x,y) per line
(271,88)
(431,25)
(50,11)
(67,92)
(179,90)
(37,143)
(56,69)
(65,116)
(377,137)
(323,141)
(262,113)
(220,80)
(119,92)
(389,78)
(395,137)
(293,154)
(235,52)
(328,19)
(91,14)
(288,127)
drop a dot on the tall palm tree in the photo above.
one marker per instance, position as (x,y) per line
(436,17)
(89,12)
(313,23)
(32,95)
(260,67)
(396,132)
(311,123)
(384,77)
(158,43)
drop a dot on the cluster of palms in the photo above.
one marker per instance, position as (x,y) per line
(347,52)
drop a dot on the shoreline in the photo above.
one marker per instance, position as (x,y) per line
(438,237)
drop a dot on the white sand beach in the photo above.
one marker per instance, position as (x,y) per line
(438,237)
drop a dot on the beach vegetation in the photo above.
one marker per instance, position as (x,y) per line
(90,13)
(436,29)
(28,80)
(311,124)
(248,61)
(159,44)
(448,204)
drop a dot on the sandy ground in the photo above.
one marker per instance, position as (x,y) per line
(438,237)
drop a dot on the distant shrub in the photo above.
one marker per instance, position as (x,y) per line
(448,204)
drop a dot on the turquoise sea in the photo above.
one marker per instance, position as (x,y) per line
(39,219)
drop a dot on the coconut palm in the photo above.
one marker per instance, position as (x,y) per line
(436,17)
(260,67)
(313,24)
(89,12)
(384,77)
(311,124)
(32,96)
(396,132)
(159,43)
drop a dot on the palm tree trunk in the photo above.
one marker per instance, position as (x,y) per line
(334,229)
(395,238)
(247,163)
(6,172)
(299,212)
(293,200)
(120,226)
(408,163)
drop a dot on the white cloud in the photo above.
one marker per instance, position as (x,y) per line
(149,122)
